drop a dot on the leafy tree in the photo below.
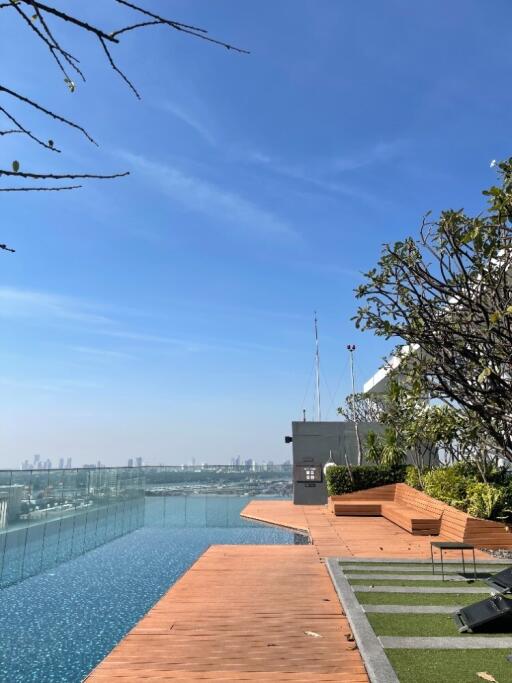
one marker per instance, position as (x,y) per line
(368,407)
(448,295)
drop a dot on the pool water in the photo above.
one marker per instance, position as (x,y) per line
(56,626)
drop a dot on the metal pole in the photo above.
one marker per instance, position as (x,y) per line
(317,358)
(351,348)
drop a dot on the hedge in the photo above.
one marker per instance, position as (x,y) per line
(364,477)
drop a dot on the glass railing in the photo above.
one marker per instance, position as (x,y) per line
(51,516)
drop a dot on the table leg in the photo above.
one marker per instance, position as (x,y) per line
(442,563)
(432,558)
(463,565)
(474,564)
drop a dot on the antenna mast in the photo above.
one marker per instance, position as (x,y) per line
(317,360)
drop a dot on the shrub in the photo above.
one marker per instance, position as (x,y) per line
(412,477)
(447,485)
(373,448)
(484,500)
(364,477)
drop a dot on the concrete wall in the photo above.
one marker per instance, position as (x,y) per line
(312,442)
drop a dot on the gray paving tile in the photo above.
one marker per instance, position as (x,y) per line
(411,609)
(421,589)
(471,642)
(408,577)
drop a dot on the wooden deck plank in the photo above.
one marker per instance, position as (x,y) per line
(345,536)
(242,613)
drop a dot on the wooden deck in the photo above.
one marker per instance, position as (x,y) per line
(242,613)
(250,613)
(344,536)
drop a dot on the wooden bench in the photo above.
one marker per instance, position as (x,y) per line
(404,516)
(420,514)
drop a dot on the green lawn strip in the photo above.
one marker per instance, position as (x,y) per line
(427,566)
(406,570)
(416,584)
(413,625)
(418,598)
(449,666)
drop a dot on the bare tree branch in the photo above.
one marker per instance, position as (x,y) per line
(35,16)
(40,189)
(61,176)
(48,112)
(21,129)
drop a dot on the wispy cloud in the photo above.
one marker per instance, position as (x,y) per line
(306,175)
(225,206)
(84,318)
(324,174)
(101,354)
(190,121)
(32,304)
(53,386)
(381,152)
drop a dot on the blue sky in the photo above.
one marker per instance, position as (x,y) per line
(169,314)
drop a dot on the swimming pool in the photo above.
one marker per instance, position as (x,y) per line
(55,627)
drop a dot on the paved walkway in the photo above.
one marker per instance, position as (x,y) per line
(345,536)
(242,613)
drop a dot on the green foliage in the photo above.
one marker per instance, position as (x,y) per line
(484,500)
(446,294)
(412,477)
(373,447)
(364,477)
(458,485)
(447,485)
(366,406)
(393,450)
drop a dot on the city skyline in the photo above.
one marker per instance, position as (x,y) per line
(38,463)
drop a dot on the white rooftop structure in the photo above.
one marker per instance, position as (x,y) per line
(378,383)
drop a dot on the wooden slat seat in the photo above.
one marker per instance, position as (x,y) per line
(418,523)
(419,514)
(410,519)
(355,508)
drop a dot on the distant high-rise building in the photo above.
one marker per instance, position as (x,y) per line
(37,459)
(69,464)
(98,464)
(249,463)
(138,462)
(130,462)
(61,463)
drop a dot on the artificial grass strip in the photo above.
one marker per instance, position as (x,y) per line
(411,583)
(406,570)
(449,666)
(480,566)
(414,625)
(418,598)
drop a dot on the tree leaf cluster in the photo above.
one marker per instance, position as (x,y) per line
(447,295)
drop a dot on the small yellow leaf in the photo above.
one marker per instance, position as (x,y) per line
(313,634)
(486,677)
